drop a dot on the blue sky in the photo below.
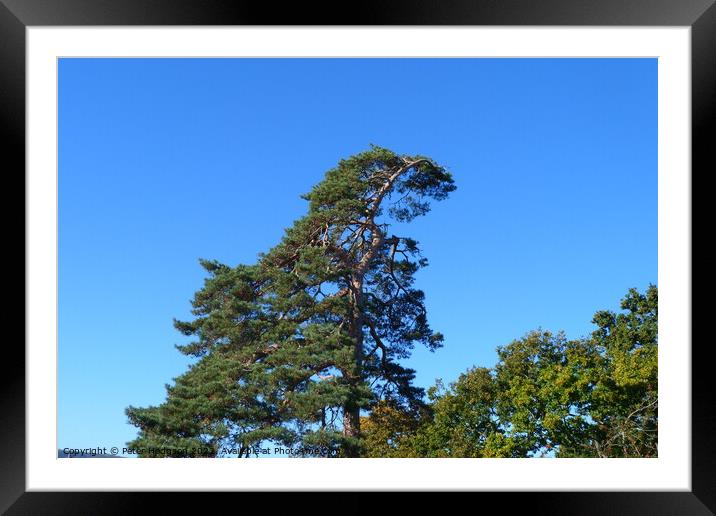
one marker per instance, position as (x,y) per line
(165,161)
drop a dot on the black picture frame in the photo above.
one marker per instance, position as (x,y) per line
(700,15)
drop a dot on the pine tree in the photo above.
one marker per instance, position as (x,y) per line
(291,349)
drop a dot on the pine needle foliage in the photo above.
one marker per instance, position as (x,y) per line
(292,348)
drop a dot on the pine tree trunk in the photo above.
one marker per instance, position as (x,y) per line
(351,412)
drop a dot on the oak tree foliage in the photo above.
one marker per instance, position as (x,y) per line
(546,396)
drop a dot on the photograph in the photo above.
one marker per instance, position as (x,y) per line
(357,257)
(402,248)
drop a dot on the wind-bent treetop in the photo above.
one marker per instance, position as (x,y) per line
(292,348)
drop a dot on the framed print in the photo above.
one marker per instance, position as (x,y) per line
(540,160)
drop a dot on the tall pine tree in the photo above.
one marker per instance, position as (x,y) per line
(292,348)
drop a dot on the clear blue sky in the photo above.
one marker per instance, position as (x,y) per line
(165,161)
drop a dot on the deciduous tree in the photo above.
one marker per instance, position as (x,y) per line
(546,396)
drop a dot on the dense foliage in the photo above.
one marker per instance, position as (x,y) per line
(547,396)
(302,349)
(291,349)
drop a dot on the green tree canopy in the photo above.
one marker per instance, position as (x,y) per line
(547,395)
(291,349)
